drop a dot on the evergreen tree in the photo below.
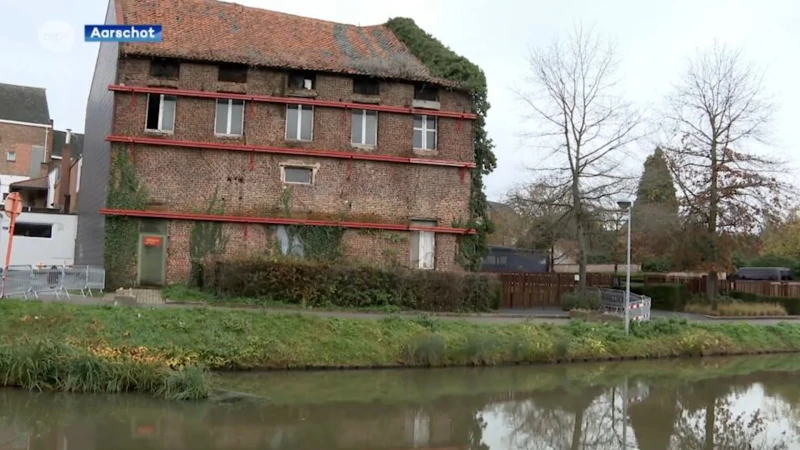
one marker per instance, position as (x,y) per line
(655,214)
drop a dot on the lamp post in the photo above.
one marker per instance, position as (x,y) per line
(626,205)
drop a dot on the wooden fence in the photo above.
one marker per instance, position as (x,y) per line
(542,290)
(697,285)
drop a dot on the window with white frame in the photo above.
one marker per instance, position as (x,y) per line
(299,122)
(160,112)
(297,175)
(230,117)
(424,132)
(11,156)
(365,127)
(423,246)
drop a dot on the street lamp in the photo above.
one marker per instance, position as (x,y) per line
(626,205)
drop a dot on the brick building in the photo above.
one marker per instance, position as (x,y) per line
(26,134)
(251,124)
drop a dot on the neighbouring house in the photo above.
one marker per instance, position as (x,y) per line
(42,236)
(57,189)
(26,134)
(252,132)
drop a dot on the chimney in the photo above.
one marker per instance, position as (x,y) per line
(64,174)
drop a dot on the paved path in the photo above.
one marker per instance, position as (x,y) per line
(536,316)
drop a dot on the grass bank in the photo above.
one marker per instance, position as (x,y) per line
(171,341)
(44,363)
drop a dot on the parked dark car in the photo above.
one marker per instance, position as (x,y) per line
(509,259)
(763,274)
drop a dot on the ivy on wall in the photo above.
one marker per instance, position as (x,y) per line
(319,243)
(205,239)
(125,191)
(444,63)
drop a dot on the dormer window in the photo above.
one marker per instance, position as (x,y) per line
(232,73)
(366,86)
(426,92)
(302,81)
(165,68)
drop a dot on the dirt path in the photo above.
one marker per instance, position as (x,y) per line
(535,316)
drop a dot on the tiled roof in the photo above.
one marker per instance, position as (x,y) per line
(60,139)
(34,183)
(23,104)
(210,30)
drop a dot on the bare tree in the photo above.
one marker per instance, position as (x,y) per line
(582,124)
(718,111)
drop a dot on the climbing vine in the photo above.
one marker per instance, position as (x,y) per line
(446,64)
(318,243)
(206,239)
(125,191)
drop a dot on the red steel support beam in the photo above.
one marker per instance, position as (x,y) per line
(279,221)
(289,151)
(289,101)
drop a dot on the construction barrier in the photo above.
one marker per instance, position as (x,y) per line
(613,300)
(25,281)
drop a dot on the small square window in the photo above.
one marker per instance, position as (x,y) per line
(302,81)
(366,86)
(234,73)
(297,175)
(426,92)
(11,156)
(165,68)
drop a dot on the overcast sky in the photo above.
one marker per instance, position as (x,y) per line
(653,39)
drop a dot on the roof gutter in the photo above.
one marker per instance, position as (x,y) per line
(27,124)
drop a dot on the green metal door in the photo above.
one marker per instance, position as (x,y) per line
(152,259)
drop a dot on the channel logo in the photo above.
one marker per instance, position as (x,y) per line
(122,33)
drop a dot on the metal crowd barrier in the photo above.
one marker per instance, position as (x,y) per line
(24,281)
(613,300)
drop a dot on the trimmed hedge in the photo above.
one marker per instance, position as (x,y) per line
(668,296)
(321,284)
(574,300)
(792,305)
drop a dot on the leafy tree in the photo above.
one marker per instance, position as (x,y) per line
(717,110)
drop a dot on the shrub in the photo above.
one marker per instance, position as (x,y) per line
(737,309)
(792,305)
(657,265)
(323,284)
(668,297)
(574,300)
(425,349)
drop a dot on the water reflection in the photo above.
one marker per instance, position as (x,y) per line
(745,403)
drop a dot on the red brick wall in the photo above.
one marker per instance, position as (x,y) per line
(20,139)
(379,248)
(182,179)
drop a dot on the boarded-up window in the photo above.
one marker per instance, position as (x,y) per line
(165,68)
(234,73)
(366,86)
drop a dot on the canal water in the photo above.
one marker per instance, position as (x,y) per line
(720,403)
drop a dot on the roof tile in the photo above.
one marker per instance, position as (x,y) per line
(24,104)
(210,30)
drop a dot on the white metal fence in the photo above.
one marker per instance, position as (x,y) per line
(25,281)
